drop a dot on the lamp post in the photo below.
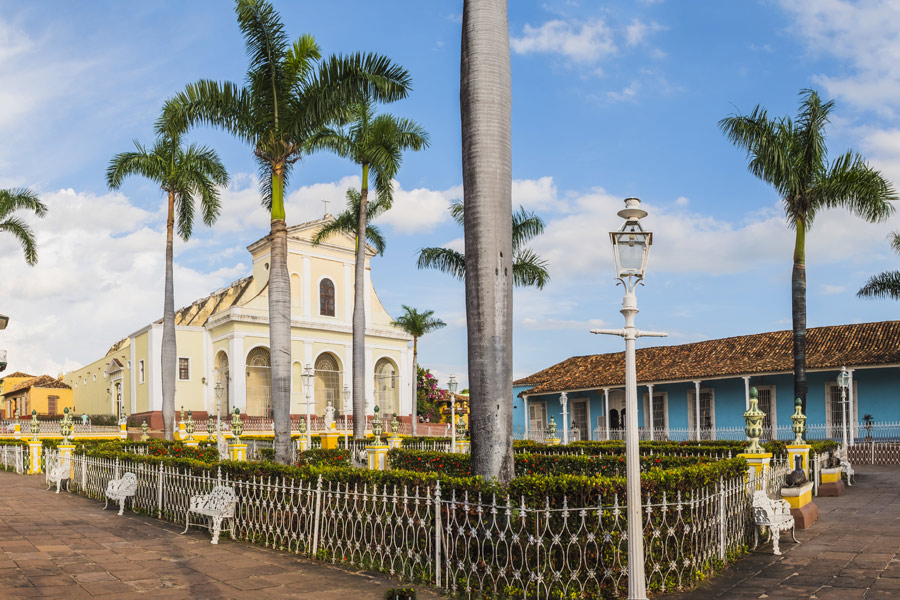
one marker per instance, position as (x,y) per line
(346,393)
(218,406)
(564,401)
(451,387)
(307,382)
(843,381)
(631,247)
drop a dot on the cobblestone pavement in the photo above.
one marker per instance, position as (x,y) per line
(851,552)
(63,546)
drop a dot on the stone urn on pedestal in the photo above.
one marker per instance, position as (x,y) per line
(798,487)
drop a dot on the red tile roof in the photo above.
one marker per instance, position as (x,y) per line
(864,344)
(44,381)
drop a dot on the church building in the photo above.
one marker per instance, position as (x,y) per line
(225,338)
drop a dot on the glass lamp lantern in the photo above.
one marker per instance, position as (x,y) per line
(631,244)
(843,379)
(307,376)
(346,393)
(452,384)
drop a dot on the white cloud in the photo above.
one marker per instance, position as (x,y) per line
(420,209)
(100,270)
(638,32)
(682,201)
(627,93)
(831,290)
(536,194)
(587,42)
(864,35)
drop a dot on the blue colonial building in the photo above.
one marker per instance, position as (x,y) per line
(700,390)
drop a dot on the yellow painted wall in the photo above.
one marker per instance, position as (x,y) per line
(334,270)
(142,389)
(190,393)
(91,387)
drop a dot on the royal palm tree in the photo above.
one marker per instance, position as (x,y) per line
(417,324)
(289,95)
(792,157)
(376,144)
(21,199)
(885,284)
(485,95)
(347,222)
(529,269)
(185,175)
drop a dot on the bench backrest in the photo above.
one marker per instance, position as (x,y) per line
(221,498)
(763,511)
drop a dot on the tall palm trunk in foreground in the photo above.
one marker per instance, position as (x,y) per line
(485,107)
(359,313)
(169,350)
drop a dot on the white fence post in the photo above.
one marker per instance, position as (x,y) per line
(437,534)
(318,516)
(159,491)
(721,518)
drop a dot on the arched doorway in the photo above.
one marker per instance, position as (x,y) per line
(329,381)
(259,398)
(387,388)
(224,377)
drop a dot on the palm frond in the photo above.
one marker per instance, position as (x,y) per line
(149,165)
(15,199)
(529,269)
(883,285)
(218,104)
(767,144)
(417,323)
(376,238)
(300,59)
(850,183)
(895,242)
(811,121)
(445,260)
(526,226)
(458,211)
(22,232)
(264,36)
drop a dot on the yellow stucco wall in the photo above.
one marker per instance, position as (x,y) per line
(190,392)
(91,387)
(142,388)
(39,398)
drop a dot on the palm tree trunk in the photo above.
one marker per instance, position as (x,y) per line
(485,107)
(415,391)
(798,312)
(359,314)
(280,322)
(169,350)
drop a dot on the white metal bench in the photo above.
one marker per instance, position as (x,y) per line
(772,515)
(57,471)
(118,490)
(215,506)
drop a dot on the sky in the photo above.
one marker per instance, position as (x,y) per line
(610,100)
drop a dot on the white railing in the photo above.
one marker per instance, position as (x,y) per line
(874,453)
(53,428)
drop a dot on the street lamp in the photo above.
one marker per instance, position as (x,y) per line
(451,387)
(564,401)
(843,381)
(219,390)
(307,382)
(4,321)
(631,246)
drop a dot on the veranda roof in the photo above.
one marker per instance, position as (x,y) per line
(44,381)
(858,345)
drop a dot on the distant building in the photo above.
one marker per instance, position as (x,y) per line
(225,337)
(703,388)
(45,394)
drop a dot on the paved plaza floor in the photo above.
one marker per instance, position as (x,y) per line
(63,546)
(851,552)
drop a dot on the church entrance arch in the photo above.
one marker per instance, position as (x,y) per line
(259,397)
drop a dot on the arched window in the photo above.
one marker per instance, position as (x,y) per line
(259,398)
(223,377)
(329,380)
(326,298)
(387,388)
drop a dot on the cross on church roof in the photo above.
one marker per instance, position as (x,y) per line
(325,202)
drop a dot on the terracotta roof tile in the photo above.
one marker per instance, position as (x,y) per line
(17,374)
(44,381)
(855,345)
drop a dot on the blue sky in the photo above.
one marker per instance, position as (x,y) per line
(610,100)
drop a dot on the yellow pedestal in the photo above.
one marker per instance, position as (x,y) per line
(554,441)
(462,446)
(65,453)
(395,441)
(181,434)
(377,456)
(304,443)
(34,451)
(191,443)
(123,430)
(237,452)
(17,431)
(330,440)
(801,451)
(803,509)
(758,466)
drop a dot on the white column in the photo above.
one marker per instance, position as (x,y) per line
(697,408)
(347,292)
(238,368)
(368,294)
(851,399)
(650,407)
(153,370)
(369,386)
(307,292)
(606,409)
(132,392)
(747,395)
(527,416)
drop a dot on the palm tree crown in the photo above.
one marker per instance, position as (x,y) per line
(347,222)
(187,174)
(529,269)
(290,94)
(417,323)
(885,284)
(21,199)
(792,157)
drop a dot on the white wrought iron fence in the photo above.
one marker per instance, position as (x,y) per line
(874,453)
(469,546)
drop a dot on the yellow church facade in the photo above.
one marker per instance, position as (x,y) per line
(225,338)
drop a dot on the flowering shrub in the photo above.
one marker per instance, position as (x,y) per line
(324,458)
(428,395)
